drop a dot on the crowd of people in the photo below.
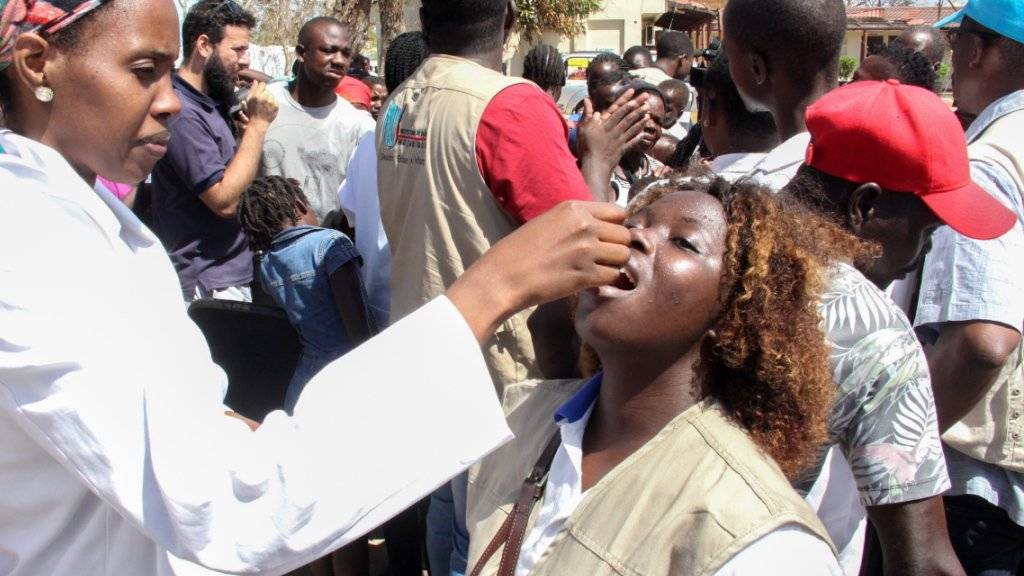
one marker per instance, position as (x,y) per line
(727,318)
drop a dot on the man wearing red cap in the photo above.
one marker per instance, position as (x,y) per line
(971,308)
(888,162)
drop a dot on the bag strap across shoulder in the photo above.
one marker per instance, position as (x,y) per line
(513,530)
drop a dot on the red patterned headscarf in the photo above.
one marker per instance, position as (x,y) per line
(42,16)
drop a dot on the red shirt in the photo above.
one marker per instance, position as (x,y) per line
(522,149)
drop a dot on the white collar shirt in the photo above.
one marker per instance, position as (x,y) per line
(786,551)
(782,163)
(361,203)
(117,457)
(734,167)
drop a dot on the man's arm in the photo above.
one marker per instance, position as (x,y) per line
(260,110)
(914,539)
(971,301)
(524,157)
(150,437)
(965,362)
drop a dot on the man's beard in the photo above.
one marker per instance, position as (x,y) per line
(219,82)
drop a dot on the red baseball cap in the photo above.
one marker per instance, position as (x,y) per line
(355,91)
(905,139)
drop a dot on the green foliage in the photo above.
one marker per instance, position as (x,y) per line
(944,70)
(847,65)
(566,17)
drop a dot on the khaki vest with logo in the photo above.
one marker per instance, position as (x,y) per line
(437,211)
(993,431)
(683,504)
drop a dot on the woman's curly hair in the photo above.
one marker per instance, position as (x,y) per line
(767,360)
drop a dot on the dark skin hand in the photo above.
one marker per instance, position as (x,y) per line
(603,137)
(348,299)
(914,538)
(965,362)
(573,246)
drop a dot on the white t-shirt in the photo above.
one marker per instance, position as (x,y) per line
(117,456)
(782,163)
(787,551)
(313,145)
(360,201)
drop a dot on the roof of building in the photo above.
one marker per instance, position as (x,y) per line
(685,15)
(894,17)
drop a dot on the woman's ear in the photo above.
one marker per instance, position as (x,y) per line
(31,58)
(861,207)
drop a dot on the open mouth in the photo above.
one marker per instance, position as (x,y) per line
(624,281)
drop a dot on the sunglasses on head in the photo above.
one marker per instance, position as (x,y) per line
(230,6)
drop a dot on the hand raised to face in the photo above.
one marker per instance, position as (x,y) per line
(574,246)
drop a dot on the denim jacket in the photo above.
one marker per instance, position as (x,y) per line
(296,274)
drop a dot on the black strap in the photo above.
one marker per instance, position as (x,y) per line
(513,530)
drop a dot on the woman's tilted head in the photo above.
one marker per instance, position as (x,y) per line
(96,88)
(735,272)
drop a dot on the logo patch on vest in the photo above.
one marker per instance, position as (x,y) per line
(392,118)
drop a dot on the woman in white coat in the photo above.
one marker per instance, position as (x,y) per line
(117,455)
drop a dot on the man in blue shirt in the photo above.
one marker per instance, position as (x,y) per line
(196,186)
(970,312)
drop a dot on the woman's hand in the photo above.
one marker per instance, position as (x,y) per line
(574,246)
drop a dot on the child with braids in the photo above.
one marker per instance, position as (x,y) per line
(310,272)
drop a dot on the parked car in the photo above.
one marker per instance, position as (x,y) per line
(576,64)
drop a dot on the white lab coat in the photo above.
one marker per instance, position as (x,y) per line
(116,456)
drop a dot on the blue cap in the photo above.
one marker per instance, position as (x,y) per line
(1003,16)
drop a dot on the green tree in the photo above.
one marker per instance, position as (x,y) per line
(566,17)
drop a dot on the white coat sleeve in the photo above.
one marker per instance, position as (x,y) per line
(128,400)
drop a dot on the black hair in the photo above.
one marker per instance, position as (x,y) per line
(640,87)
(630,54)
(464,26)
(909,66)
(803,36)
(360,67)
(210,17)
(312,24)
(621,70)
(269,201)
(6,98)
(936,49)
(544,67)
(674,44)
(405,54)
(372,81)
(825,194)
(718,81)
(678,86)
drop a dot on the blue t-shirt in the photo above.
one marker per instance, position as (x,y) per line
(296,273)
(206,250)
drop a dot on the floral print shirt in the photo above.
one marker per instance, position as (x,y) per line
(883,419)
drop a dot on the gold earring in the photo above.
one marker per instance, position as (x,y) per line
(44,94)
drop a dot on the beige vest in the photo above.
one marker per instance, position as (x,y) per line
(683,504)
(437,211)
(993,431)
